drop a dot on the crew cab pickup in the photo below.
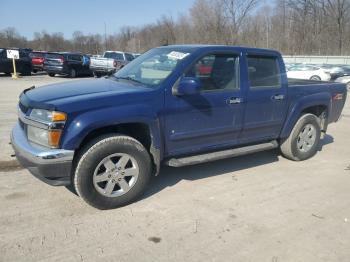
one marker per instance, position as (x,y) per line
(108,136)
(111,62)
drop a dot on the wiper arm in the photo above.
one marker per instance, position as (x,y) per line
(129,78)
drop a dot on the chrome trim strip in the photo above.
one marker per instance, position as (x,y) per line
(37,154)
(40,124)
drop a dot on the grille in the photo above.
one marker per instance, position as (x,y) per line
(23,108)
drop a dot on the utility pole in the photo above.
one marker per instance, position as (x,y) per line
(105,36)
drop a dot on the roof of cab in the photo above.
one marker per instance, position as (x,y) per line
(195,47)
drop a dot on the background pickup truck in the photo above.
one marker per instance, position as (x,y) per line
(109,63)
(108,136)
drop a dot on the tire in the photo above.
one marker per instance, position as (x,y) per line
(72,73)
(35,71)
(8,73)
(52,74)
(316,78)
(91,168)
(348,86)
(27,71)
(97,74)
(293,148)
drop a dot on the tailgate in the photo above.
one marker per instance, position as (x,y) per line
(339,94)
(98,62)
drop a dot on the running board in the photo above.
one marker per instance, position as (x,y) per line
(203,158)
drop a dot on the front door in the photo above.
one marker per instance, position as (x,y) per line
(213,118)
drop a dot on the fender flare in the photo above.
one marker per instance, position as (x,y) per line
(319,99)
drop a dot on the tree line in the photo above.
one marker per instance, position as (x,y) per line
(295,27)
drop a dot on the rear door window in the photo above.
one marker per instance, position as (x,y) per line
(75,58)
(264,72)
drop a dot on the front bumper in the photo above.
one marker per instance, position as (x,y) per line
(52,166)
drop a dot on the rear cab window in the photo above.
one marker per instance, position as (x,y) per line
(114,55)
(263,72)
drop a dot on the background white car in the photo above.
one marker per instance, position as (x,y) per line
(308,72)
(344,80)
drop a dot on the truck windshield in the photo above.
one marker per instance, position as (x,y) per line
(153,67)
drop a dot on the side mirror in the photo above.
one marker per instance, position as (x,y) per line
(188,86)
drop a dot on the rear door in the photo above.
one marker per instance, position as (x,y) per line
(266,98)
(76,62)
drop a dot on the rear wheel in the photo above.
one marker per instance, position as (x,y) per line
(97,74)
(51,74)
(112,171)
(303,141)
(26,71)
(316,78)
(72,73)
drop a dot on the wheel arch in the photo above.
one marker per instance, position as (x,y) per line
(318,104)
(140,131)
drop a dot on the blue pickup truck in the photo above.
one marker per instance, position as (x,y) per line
(173,105)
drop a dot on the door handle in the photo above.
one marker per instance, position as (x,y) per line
(234,100)
(278,97)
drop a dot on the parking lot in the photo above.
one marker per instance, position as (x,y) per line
(260,207)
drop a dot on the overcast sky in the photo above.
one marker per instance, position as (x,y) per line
(88,16)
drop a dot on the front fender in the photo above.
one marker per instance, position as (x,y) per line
(82,124)
(295,110)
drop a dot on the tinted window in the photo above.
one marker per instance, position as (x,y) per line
(117,56)
(217,71)
(75,57)
(263,72)
(54,56)
(129,57)
(37,54)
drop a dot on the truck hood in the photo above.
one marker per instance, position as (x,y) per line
(51,96)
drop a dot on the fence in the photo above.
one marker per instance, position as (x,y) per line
(343,60)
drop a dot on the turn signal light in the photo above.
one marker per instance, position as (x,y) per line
(54,137)
(58,116)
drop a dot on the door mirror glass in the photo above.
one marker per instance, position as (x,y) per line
(188,86)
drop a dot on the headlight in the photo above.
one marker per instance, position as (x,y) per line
(49,129)
(47,116)
(44,137)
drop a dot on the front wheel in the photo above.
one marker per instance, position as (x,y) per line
(303,141)
(112,171)
(52,74)
(315,78)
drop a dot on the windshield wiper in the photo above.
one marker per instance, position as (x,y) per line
(129,78)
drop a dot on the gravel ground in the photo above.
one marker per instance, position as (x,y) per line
(260,207)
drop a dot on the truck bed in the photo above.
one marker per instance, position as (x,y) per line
(305,82)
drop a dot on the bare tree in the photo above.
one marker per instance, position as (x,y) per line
(236,12)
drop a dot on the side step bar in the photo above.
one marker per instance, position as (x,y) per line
(203,158)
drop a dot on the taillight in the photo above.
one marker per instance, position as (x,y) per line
(115,63)
(61,60)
